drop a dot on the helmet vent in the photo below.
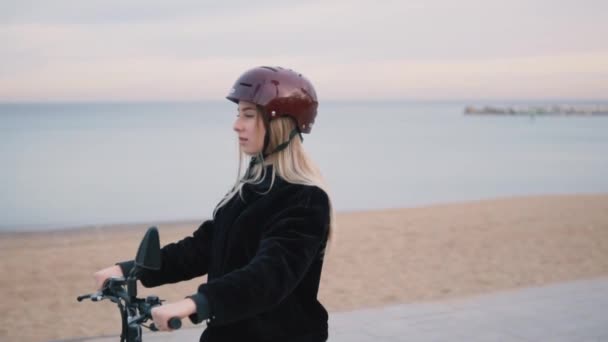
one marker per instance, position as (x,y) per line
(245,84)
(269,68)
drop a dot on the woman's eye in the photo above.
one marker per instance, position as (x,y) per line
(247,115)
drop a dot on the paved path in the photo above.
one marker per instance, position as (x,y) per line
(574,311)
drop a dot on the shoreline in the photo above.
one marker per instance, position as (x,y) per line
(79,228)
(377,258)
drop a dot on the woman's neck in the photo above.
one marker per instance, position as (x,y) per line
(269,160)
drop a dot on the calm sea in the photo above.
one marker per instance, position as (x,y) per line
(66,165)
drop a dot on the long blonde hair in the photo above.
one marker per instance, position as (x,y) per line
(292,164)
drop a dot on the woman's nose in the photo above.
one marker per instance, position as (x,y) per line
(237,127)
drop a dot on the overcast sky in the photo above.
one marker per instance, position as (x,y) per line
(412,49)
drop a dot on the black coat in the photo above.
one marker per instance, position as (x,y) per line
(263,257)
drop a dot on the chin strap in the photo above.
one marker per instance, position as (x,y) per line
(259,158)
(285,144)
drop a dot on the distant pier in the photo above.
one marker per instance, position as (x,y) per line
(556,110)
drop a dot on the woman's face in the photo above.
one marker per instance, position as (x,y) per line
(249,128)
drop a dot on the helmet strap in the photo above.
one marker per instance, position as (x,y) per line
(284,145)
(261,156)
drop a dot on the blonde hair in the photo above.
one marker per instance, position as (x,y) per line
(292,164)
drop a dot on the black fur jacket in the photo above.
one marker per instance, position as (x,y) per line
(263,257)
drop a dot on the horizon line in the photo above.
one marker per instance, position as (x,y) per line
(387,100)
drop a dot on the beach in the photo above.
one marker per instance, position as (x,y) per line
(377,258)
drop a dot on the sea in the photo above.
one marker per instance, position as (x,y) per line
(67,165)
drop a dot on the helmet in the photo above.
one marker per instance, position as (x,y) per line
(281,92)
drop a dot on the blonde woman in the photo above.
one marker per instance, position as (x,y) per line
(263,250)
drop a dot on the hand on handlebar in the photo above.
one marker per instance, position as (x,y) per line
(163,313)
(101,275)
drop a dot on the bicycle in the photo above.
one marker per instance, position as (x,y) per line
(135,311)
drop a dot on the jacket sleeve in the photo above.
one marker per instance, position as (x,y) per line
(288,246)
(182,260)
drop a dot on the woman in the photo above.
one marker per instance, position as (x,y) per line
(263,250)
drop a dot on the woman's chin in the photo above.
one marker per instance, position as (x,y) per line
(251,153)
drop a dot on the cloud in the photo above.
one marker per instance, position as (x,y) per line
(112,49)
(575,76)
(97,12)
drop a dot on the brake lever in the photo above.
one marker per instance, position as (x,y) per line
(96,296)
(83,297)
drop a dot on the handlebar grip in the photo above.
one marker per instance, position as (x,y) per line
(174,323)
(80,298)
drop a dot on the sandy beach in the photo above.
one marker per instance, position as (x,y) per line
(377,258)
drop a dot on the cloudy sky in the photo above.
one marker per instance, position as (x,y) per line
(412,49)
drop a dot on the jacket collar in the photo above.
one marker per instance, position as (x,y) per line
(266,182)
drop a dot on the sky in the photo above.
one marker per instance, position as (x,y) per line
(351,50)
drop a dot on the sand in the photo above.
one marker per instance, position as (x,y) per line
(378,258)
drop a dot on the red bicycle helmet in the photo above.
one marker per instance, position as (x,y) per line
(281,92)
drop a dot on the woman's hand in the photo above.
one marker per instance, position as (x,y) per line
(163,313)
(101,275)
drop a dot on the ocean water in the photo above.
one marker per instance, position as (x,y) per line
(66,165)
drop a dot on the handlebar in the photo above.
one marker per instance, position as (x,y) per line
(174,324)
(113,289)
(122,291)
(87,296)
(97,296)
